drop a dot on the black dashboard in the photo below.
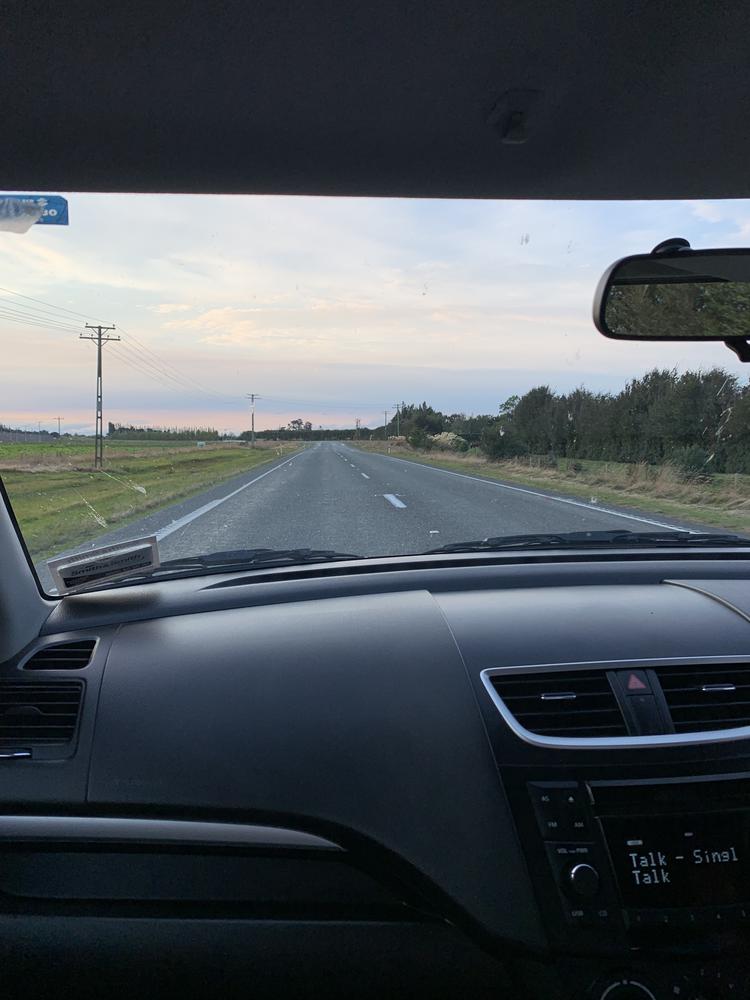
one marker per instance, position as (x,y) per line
(469,776)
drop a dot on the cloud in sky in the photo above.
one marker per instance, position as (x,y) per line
(339,306)
(171,307)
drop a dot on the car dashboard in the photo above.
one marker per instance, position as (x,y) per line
(481,775)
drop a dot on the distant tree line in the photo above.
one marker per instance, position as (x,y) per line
(299,429)
(699,421)
(133,433)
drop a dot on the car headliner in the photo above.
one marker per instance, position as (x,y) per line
(631,100)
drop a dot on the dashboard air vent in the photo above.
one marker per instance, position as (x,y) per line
(707,696)
(577,703)
(62,656)
(39,713)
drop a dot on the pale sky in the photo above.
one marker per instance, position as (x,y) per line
(329,309)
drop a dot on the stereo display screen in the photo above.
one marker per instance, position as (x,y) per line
(676,861)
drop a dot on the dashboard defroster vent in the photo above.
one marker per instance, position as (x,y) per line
(39,713)
(707,697)
(577,703)
(73,655)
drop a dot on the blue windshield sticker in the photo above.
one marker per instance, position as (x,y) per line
(18,212)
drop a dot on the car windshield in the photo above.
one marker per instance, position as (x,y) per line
(328,377)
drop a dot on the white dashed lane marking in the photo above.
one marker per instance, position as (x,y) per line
(394,500)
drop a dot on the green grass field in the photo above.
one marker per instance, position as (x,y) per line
(60,500)
(721,503)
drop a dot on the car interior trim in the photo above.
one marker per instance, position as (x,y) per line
(121,829)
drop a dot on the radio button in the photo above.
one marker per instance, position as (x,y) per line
(622,989)
(644,918)
(605,916)
(582,880)
(579,916)
(574,798)
(550,799)
(578,824)
(551,827)
(586,915)
(560,810)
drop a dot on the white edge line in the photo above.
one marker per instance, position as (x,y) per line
(182,521)
(394,500)
(545,496)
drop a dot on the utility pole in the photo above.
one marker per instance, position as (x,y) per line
(385,425)
(252,396)
(99,338)
(59,421)
(398,419)
(356,424)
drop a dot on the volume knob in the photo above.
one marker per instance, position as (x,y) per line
(583,880)
(625,989)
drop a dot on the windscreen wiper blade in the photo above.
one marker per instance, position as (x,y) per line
(593,539)
(234,559)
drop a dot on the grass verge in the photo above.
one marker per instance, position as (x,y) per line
(60,501)
(721,504)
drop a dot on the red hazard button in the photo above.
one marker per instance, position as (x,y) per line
(636,682)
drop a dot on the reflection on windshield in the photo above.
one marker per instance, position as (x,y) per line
(353,375)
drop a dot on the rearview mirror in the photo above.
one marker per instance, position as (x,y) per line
(675,293)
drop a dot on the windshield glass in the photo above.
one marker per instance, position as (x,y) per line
(358,376)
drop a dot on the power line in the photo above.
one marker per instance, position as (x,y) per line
(13,309)
(157,371)
(48,318)
(177,373)
(138,366)
(27,320)
(34,312)
(137,355)
(161,373)
(41,302)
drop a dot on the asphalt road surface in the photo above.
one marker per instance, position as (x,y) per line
(334,496)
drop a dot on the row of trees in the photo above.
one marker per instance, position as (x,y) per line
(133,433)
(697,420)
(303,430)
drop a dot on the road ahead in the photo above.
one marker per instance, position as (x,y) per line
(334,496)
